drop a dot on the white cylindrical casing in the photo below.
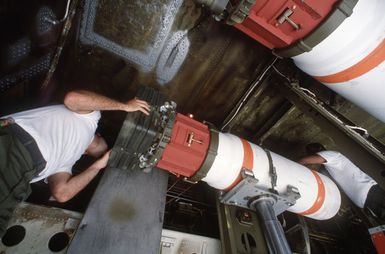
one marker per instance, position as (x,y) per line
(320,197)
(350,60)
(227,163)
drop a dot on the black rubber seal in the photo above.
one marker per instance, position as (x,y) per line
(210,157)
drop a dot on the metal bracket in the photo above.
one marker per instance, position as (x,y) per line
(239,12)
(247,191)
(191,139)
(285,16)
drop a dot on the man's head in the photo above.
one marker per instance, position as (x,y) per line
(97,147)
(313,148)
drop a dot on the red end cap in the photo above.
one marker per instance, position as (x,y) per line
(280,23)
(187,149)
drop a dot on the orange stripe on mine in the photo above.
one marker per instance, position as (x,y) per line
(320,197)
(247,163)
(375,58)
(247,155)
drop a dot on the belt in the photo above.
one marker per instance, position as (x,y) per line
(6,122)
(28,142)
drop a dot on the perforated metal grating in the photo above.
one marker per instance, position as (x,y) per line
(172,57)
(18,51)
(45,19)
(144,59)
(40,67)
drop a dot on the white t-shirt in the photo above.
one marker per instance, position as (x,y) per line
(349,177)
(61,135)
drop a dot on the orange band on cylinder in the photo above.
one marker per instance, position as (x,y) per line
(248,162)
(376,57)
(247,155)
(320,196)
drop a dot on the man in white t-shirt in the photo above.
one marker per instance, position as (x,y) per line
(45,143)
(358,186)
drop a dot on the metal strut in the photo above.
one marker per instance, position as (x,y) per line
(272,229)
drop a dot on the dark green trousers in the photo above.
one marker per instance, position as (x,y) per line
(376,202)
(16,171)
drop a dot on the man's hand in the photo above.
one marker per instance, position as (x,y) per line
(138,105)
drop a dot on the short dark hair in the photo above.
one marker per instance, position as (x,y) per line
(313,148)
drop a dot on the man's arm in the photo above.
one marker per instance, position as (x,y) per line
(84,102)
(64,186)
(312,159)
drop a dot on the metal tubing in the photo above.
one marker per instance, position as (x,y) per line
(272,229)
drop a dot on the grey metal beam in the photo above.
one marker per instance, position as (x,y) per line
(365,152)
(125,214)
